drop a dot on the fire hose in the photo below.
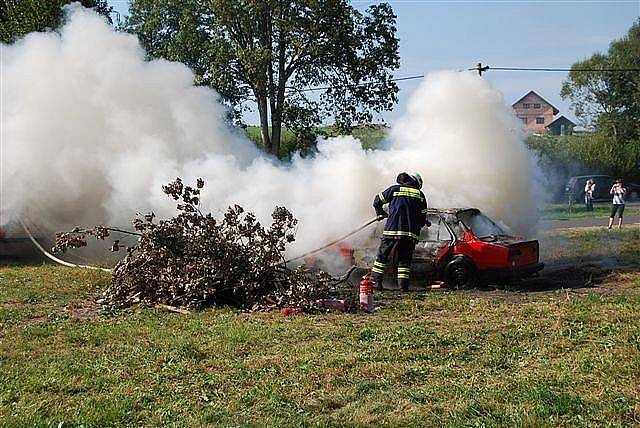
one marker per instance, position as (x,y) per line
(334,242)
(307,254)
(51,256)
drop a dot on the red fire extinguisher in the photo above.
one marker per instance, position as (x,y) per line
(366,294)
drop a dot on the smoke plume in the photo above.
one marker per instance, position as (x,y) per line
(91,130)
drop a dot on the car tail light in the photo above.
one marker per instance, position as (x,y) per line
(523,254)
(515,253)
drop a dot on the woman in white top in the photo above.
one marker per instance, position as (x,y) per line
(589,189)
(618,191)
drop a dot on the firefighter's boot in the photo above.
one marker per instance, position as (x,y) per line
(404,284)
(377,281)
(377,274)
(403,277)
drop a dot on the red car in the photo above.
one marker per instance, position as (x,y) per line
(463,247)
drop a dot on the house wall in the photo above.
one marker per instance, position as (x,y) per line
(545,111)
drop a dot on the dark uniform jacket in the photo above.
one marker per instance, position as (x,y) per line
(407,208)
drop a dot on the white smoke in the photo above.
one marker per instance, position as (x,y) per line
(91,131)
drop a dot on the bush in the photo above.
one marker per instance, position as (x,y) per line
(587,153)
(193,260)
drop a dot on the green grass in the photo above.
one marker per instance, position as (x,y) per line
(425,359)
(369,136)
(561,212)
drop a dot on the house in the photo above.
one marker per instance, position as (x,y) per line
(561,126)
(535,112)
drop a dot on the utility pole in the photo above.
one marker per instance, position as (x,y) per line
(481,69)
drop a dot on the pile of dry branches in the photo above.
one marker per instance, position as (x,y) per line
(194,260)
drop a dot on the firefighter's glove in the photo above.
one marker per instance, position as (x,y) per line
(382,215)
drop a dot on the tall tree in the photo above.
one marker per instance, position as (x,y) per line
(272,51)
(606,98)
(19,17)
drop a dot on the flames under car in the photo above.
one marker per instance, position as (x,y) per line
(463,247)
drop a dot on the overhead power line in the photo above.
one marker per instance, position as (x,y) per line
(480,69)
(324,88)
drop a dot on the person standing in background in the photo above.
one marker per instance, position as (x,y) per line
(618,191)
(589,189)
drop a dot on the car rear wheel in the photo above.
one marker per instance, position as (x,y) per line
(460,273)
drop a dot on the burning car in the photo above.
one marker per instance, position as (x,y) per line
(463,247)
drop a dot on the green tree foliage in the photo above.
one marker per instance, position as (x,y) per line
(608,102)
(270,51)
(584,153)
(19,17)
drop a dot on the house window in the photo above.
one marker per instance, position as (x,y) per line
(526,105)
(540,120)
(536,105)
(524,120)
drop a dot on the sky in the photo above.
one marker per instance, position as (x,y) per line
(457,34)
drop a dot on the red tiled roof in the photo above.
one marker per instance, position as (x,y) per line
(555,110)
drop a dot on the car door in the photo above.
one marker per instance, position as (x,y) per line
(433,240)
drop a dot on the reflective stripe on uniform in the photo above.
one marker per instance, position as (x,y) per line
(376,269)
(380,264)
(381,196)
(404,272)
(424,211)
(401,233)
(409,192)
(408,195)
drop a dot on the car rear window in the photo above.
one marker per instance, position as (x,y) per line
(481,225)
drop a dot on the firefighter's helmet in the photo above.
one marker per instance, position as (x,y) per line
(416,176)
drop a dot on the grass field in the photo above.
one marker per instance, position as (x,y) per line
(561,211)
(561,351)
(370,137)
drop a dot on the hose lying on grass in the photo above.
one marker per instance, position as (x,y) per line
(75,265)
(54,258)
(194,260)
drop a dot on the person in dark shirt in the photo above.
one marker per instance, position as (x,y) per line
(407,215)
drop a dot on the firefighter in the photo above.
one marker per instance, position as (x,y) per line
(407,215)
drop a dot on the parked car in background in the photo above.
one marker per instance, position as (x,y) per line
(575,188)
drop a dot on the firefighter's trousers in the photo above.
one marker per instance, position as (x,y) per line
(404,254)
